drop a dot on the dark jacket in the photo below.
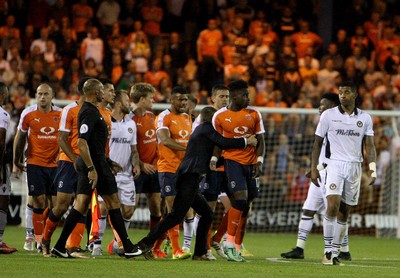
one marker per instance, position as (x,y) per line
(201,146)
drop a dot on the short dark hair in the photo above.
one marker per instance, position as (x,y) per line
(179,90)
(118,96)
(218,87)
(106,81)
(192,98)
(350,84)
(207,113)
(80,84)
(237,86)
(331,96)
(141,90)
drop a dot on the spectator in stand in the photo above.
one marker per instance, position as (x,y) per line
(327,76)
(170,70)
(152,16)
(176,50)
(343,43)
(234,71)
(59,10)
(228,49)
(9,31)
(208,46)
(287,55)
(373,28)
(91,69)
(360,39)
(243,10)
(38,15)
(92,47)
(393,61)
(155,76)
(27,39)
(334,55)
(4,65)
(117,70)
(276,101)
(357,59)
(270,38)
(82,14)
(129,14)
(286,24)
(371,75)
(68,49)
(306,70)
(304,39)
(73,74)
(13,76)
(41,42)
(238,29)
(255,27)
(107,14)
(314,61)
(257,48)
(386,44)
(128,77)
(35,77)
(291,82)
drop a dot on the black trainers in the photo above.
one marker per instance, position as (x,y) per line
(345,256)
(59,254)
(138,250)
(336,261)
(296,253)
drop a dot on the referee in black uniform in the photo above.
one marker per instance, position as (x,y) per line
(192,168)
(94,171)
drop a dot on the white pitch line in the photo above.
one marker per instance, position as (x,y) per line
(279,260)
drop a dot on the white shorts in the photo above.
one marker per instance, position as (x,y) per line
(5,188)
(316,200)
(344,178)
(127,192)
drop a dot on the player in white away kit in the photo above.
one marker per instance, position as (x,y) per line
(316,201)
(5,184)
(123,151)
(349,131)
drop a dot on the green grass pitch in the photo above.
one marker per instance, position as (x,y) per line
(371,258)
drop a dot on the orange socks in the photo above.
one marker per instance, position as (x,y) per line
(240,232)
(75,238)
(233,223)
(221,229)
(38,224)
(174,237)
(49,229)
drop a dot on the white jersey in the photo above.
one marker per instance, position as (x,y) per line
(344,133)
(196,122)
(123,136)
(4,119)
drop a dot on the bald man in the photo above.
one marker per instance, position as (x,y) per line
(95,170)
(38,128)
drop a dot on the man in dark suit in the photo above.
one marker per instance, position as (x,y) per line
(192,168)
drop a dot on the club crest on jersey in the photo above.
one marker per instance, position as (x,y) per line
(150,133)
(248,117)
(168,188)
(183,133)
(84,128)
(56,119)
(359,124)
(332,186)
(130,130)
(241,129)
(206,185)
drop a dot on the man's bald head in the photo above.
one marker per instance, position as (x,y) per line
(91,86)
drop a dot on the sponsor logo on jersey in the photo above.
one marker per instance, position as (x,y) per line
(48,133)
(120,140)
(228,119)
(240,129)
(348,132)
(183,133)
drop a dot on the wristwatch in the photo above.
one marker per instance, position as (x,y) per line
(90,168)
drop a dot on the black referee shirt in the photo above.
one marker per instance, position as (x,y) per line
(93,129)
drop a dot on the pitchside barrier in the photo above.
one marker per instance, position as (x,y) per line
(283,186)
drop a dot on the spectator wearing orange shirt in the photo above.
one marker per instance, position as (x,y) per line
(385,45)
(373,28)
(155,76)
(304,39)
(152,15)
(235,70)
(208,46)
(82,14)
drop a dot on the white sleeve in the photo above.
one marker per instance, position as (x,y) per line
(323,125)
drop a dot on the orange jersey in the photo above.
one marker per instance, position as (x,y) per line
(303,41)
(180,128)
(42,129)
(146,138)
(243,123)
(210,41)
(69,123)
(106,114)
